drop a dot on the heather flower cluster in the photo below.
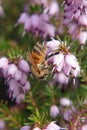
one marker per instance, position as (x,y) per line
(62,60)
(50,126)
(39,23)
(15,76)
(75,18)
(65,109)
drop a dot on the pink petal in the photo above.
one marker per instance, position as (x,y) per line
(35,20)
(24,66)
(66,69)
(58,59)
(75,71)
(60,78)
(82,37)
(54,8)
(60,66)
(23,18)
(53,126)
(70,60)
(83,20)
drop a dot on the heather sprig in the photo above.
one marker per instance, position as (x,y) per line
(59,101)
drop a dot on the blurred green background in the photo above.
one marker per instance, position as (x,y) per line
(10,36)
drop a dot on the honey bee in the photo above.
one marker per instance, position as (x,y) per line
(38,62)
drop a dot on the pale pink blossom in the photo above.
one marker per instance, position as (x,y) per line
(2,125)
(12,68)
(52,45)
(36,128)
(44,17)
(83,19)
(70,60)
(35,20)
(23,66)
(23,18)
(62,61)
(67,108)
(73,30)
(12,84)
(27,86)
(65,102)
(2,13)
(52,9)
(37,24)
(16,92)
(71,65)
(23,79)
(75,18)
(66,69)
(15,76)
(3,62)
(52,126)
(75,71)
(82,37)
(18,75)
(84,127)
(60,78)
(25,128)
(28,25)
(59,67)
(54,111)
(57,59)
(49,30)
(84,3)
(68,115)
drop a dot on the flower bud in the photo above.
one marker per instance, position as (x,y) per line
(25,128)
(3,62)
(84,127)
(24,66)
(60,78)
(12,68)
(2,125)
(52,126)
(54,111)
(54,8)
(27,86)
(65,102)
(22,19)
